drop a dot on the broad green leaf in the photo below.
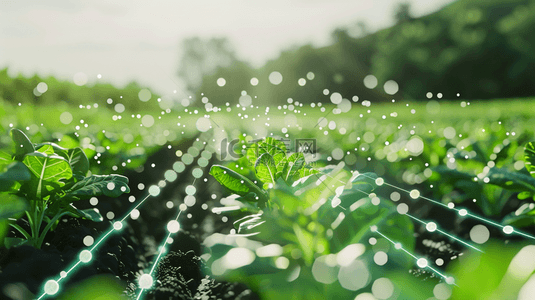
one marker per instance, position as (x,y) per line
(23,145)
(15,172)
(11,206)
(97,185)
(235,182)
(265,169)
(513,181)
(250,197)
(293,164)
(275,148)
(306,243)
(5,159)
(89,214)
(46,149)
(529,157)
(304,172)
(47,171)
(76,159)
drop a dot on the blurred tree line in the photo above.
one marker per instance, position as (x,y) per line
(482,49)
(21,89)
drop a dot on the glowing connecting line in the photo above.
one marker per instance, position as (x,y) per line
(51,287)
(507,229)
(432,226)
(420,262)
(146,280)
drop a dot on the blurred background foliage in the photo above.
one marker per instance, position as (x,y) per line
(480,49)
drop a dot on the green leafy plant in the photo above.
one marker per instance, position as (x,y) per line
(43,181)
(311,214)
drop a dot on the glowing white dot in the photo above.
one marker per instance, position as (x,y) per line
(451,205)
(117,225)
(379,181)
(203,124)
(370,81)
(173,226)
(80,79)
(147,121)
(245,100)
(397,246)
(395,196)
(479,234)
(145,281)
(391,87)
(154,190)
(110,186)
(382,288)
(415,194)
(51,287)
(373,228)
(450,280)
(42,87)
(442,291)
(134,214)
(119,107)
(380,258)
(336,98)
(88,240)
(93,201)
(275,78)
(376,200)
(190,200)
(65,118)
(85,256)
(463,212)
(439,262)
(403,208)
(508,229)
(190,190)
(63,274)
(431,226)
(221,81)
(421,262)
(144,95)
(254,81)
(182,207)
(372,241)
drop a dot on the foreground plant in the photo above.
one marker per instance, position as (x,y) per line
(43,181)
(297,232)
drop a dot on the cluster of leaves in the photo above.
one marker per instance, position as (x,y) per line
(43,181)
(299,219)
(493,186)
(271,163)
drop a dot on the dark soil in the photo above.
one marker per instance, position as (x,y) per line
(127,254)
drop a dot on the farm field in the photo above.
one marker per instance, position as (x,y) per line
(402,200)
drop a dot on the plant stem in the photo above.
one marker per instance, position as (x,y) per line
(21,230)
(48,226)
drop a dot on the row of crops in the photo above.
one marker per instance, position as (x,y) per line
(335,200)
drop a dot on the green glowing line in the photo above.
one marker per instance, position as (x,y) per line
(139,204)
(412,255)
(159,257)
(446,234)
(102,239)
(141,293)
(458,210)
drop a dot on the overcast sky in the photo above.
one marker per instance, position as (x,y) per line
(126,40)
